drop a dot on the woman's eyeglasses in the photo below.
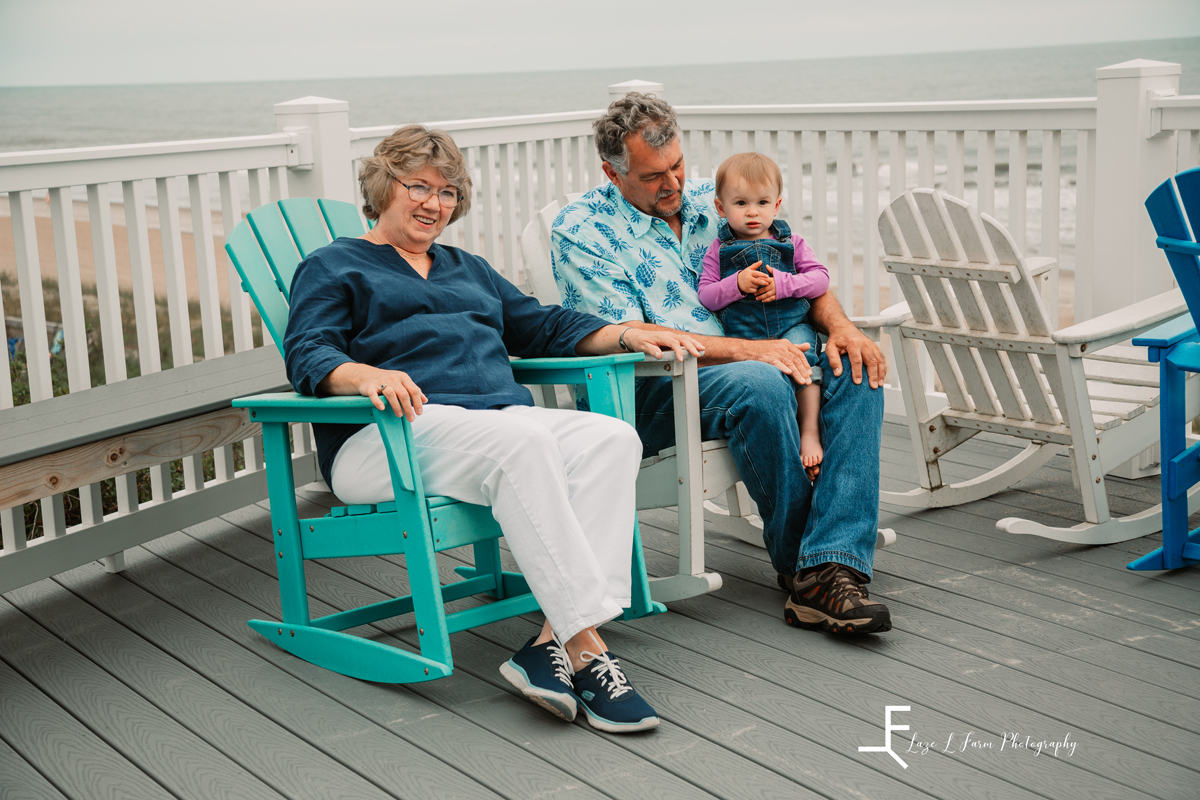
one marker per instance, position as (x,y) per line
(419,193)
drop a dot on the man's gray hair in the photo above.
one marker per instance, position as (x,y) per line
(646,114)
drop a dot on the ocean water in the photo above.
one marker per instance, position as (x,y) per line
(80,116)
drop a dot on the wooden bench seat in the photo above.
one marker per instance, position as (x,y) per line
(77,440)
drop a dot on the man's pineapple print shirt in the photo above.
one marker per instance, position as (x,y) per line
(614,261)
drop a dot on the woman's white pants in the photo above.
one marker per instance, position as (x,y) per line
(559,482)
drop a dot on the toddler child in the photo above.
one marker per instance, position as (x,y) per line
(759,277)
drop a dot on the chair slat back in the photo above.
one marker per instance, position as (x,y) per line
(305,224)
(962,274)
(267,246)
(258,280)
(342,218)
(276,242)
(1171,206)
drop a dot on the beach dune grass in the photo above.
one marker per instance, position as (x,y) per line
(19,374)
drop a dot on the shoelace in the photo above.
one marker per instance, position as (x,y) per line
(609,672)
(844,586)
(558,657)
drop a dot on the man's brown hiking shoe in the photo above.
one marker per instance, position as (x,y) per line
(834,598)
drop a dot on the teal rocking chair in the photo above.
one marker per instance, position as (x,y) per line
(266,249)
(1175,346)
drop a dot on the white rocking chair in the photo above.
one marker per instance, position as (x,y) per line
(975,305)
(693,473)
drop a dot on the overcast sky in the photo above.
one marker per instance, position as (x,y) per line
(63,42)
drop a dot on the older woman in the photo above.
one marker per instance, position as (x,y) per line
(428,329)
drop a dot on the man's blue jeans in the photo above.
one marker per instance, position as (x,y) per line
(753,405)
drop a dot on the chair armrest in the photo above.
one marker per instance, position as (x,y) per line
(888,318)
(1123,323)
(286,407)
(1167,335)
(1040,264)
(537,371)
(301,402)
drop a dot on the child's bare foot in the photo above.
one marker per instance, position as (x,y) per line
(811,453)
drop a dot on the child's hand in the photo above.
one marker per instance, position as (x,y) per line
(766,292)
(750,279)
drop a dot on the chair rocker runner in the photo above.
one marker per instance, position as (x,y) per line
(974,303)
(1175,347)
(693,473)
(266,249)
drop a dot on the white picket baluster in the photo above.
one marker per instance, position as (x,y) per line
(925,158)
(795,184)
(12,520)
(543,173)
(986,172)
(278,180)
(470,221)
(508,203)
(955,157)
(706,156)
(260,194)
(871,262)
(1051,157)
(70,290)
(487,204)
(112,339)
(33,320)
(820,215)
(898,179)
(1018,162)
(595,173)
(1085,223)
(560,168)
(845,220)
(578,181)
(239,301)
(173,269)
(206,267)
(525,187)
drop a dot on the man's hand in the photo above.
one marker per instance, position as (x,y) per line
(787,357)
(750,280)
(851,342)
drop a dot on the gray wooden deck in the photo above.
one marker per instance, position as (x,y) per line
(150,684)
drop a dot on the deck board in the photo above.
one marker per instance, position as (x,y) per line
(21,781)
(150,684)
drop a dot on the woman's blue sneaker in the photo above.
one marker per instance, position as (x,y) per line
(611,704)
(543,674)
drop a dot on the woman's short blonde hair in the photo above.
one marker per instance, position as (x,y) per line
(408,150)
(753,168)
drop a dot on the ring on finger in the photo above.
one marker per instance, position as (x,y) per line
(382,388)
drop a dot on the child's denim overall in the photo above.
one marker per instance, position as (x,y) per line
(747,318)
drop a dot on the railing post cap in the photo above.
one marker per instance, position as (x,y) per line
(618,90)
(312,105)
(1138,68)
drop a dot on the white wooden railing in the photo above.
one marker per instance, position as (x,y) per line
(166,193)
(1038,165)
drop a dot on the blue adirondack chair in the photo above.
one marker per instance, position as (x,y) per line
(1175,346)
(266,249)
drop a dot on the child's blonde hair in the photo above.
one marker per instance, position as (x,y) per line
(754,168)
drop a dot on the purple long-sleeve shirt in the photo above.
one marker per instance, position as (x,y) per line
(810,280)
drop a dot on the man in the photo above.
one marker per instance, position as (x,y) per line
(631,252)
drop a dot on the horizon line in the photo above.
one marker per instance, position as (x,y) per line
(879,56)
